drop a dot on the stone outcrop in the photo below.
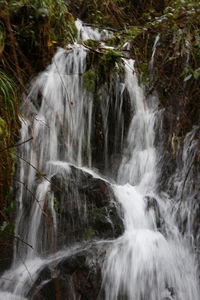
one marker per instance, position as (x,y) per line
(74,277)
(86,208)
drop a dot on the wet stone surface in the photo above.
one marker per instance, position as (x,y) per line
(86,208)
(75,277)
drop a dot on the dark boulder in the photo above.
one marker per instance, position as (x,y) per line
(86,208)
(75,277)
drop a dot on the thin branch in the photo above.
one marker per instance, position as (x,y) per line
(18,238)
(38,171)
(26,268)
(38,202)
(92,49)
(4,278)
(6,18)
(17,145)
(187,174)
(99,51)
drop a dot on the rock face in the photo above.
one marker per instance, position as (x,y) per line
(86,210)
(6,244)
(152,204)
(75,277)
(87,215)
(85,207)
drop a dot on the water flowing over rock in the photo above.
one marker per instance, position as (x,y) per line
(93,219)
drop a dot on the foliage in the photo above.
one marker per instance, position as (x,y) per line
(92,44)
(177,62)
(8,131)
(114,13)
(176,72)
(100,68)
(109,59)
(177,58)
(31,30)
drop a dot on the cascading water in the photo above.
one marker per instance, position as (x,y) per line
(144,263)
(150,260)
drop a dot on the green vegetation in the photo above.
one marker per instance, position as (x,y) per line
(177,58)
(88,233)
(115,13)
(89,80)
(101,65)
(8,131)
(30,32)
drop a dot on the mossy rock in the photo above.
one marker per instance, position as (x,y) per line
(89,78)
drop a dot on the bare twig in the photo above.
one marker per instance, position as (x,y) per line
(6,18)
(18,238)
(38,202)
(4,278)
(38,171)
(26,268)
(99,51)
(16,145)
(42,175)
(187,174)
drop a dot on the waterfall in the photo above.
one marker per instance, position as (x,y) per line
(151,259)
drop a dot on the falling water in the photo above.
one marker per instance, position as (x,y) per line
(86,32)
(155,45)
(150,260)
(185,187)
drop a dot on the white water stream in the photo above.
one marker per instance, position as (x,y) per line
(151,260)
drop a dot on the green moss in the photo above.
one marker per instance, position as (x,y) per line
(111,56)
(100,69)
(56,205)
(132,32)
(89,233)
(144,73)
(108,62)
(113,41)
(92,44)
(89,80)
(99,214)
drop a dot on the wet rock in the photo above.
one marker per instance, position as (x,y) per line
(169,294)
(151,203)
(6,244)
(54,288)
(85,278)
(43,278)
(85,206)
(75,277)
